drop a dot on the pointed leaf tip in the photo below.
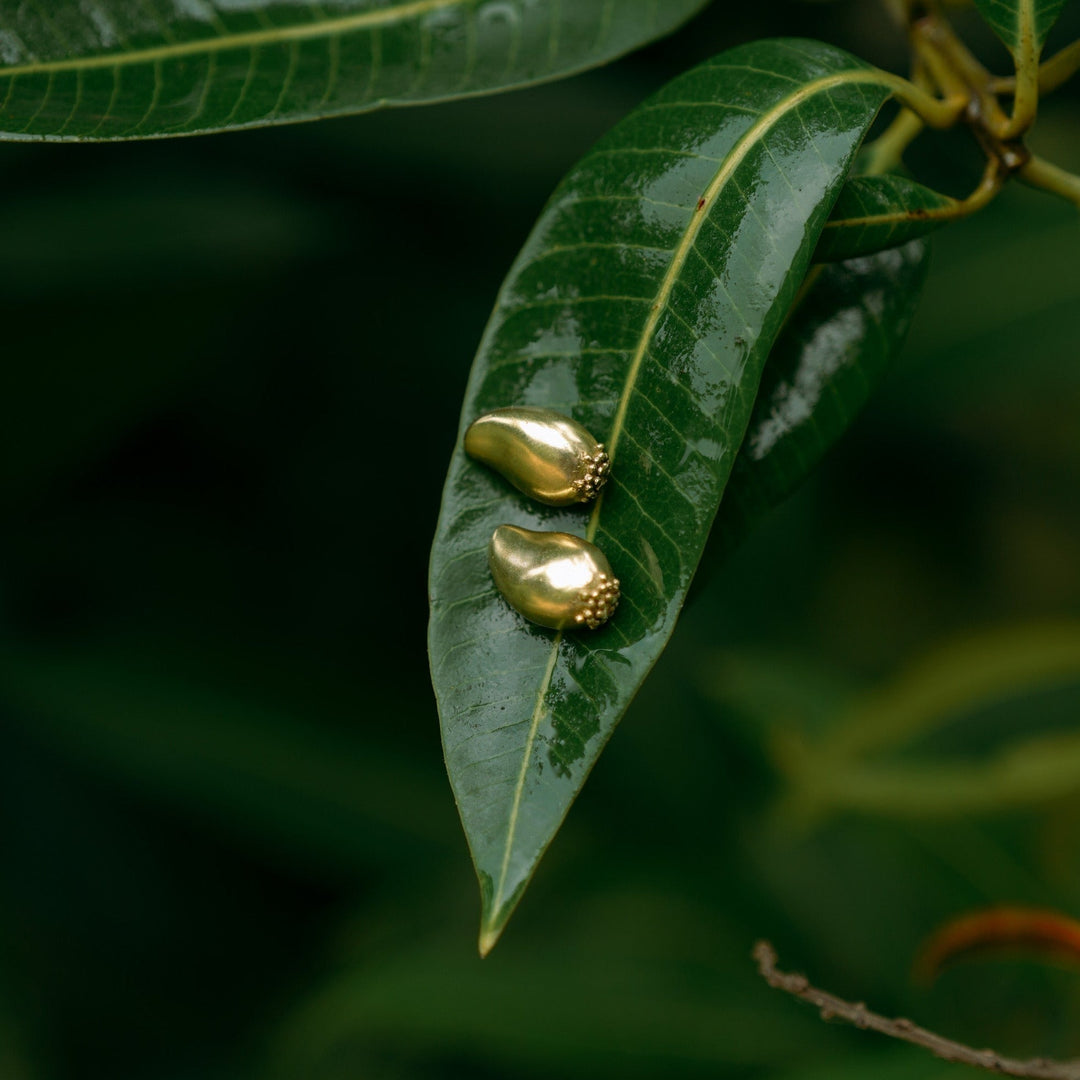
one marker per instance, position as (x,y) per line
(631,310)
(489,936)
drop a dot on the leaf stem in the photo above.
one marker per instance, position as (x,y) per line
(1060,68)
(936,112)
(1044,174)
(958,72)
(993,180)
(1053,73)
(1026,94)
(886,152)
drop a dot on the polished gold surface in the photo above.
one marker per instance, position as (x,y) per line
(553,578)
(541,452)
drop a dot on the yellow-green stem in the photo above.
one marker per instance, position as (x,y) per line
(992,182)
(957,71)
(1060,68)
(1026,94)
(934,111)
(1042,174)
(886,152)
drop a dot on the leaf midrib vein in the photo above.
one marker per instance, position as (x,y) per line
(252,39)
(1027,31)
(716,186)
(894,217)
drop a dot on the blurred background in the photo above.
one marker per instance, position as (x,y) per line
(229,849)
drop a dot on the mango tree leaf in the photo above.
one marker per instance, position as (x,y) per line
(261,772)
(554,1012)
(644,304)
(1002,669)
(1019,21)
(1038,771)
(888,1063)
(878,212)
(130,69)
(955,679)
(832,355)
(15,1059)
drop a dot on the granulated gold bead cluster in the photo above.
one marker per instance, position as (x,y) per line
(554,579)
(600,602)
(597,468)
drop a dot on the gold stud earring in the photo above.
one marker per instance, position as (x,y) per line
(546,455)
(553,578)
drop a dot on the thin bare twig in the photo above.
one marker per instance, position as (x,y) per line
(832,1007)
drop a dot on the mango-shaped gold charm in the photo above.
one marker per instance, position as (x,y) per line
(541,452)
(553,578)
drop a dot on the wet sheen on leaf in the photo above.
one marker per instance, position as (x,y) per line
(834,352)
(878,212)
(127,69)
(644,305)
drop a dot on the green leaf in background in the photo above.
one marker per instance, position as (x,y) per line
(878,212)
(956,678)
(1014,21)
(833,353)
(123,69)
(844,770)
(15,1061)
(631,992)
(644,304)
(266,773)
(891,1063)
(1039,771)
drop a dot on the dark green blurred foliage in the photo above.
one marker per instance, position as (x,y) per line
(229,848)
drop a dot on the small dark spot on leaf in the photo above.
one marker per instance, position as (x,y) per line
(701,204)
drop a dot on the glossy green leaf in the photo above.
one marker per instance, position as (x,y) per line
(129,69)
(1014,20)
(878,212)
(644,304)
(836,348)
